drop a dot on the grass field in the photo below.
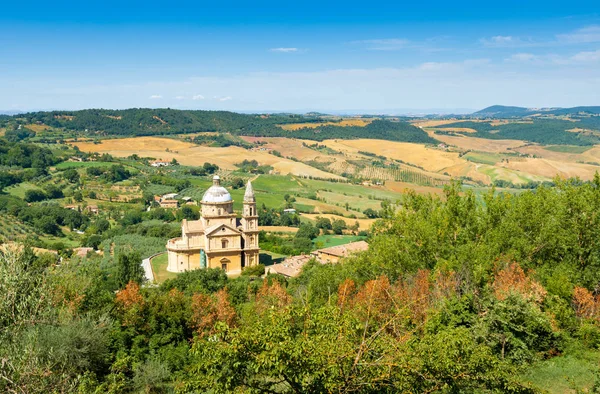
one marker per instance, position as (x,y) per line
(563,374)
(20,189)
(159,268)
(568,148)
(483,157)
(82,164)
(325,241)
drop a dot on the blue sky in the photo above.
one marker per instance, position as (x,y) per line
(372,56)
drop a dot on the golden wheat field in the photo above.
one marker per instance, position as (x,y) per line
(478,144)
(363,224)
(342,123)
(193,155)
(430,159)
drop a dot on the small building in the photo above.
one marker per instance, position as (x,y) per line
(169,196)
(334,254)
(289,210)
(160,163)
(170,204)
(82,252)
(290,267)
(72,207)
(93,209)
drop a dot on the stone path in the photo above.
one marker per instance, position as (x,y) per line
(148,270)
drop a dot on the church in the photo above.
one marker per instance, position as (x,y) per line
(218,239)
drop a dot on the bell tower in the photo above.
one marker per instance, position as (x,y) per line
(250,228)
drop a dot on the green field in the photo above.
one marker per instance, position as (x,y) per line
(335,240)
(567,148)
(20,189)
(65,165)
(484,157)
(565,373)
(159,268)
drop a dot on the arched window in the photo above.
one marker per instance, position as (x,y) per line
(224,243)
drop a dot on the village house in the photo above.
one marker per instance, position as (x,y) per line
(93,209)
(169,204)
(333,254)
(160,163)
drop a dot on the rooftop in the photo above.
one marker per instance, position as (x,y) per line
(216,193)
(345,250)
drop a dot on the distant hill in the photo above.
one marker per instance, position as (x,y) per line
(503,111)
(162,121)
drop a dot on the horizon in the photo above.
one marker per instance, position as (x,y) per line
(333,58)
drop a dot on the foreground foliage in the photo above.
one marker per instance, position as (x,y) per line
(454,295)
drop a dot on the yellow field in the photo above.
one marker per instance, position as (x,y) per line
(288,147)
(279,229)
(403,187)
(478,144)
(193,155)
(550,168)
(363,224)
(425,123)
(430,159)
(342,123)
(38,127)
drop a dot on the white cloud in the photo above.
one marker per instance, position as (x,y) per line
(584,35)
(586,57)
(155,97)
(284,50)
(523,58)
(179,97)
(578,59)
(507,42)
(198,97)
(473,83)
(385,44)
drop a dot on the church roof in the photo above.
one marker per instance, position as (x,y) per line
(193,226)
(249,194)
(216,193)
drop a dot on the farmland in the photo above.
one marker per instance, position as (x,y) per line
(313,125)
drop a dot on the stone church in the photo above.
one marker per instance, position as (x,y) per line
(218,239)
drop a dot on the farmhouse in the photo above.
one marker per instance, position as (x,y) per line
(93,209)
(335,253)
(169,204)
(160,163)
(218,239)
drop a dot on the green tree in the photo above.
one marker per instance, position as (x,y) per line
(129,268)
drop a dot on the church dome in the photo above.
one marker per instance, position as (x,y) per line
(216,193)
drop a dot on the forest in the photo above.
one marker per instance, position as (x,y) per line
(144,122)
(543,131)
(455,294)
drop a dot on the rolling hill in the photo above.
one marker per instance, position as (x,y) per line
(502,111)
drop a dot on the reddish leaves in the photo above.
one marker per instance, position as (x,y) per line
(272,297)
(586,305)
(512,279)
(130,304)
(207,310)
(409,300)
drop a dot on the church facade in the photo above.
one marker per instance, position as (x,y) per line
(218,239)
